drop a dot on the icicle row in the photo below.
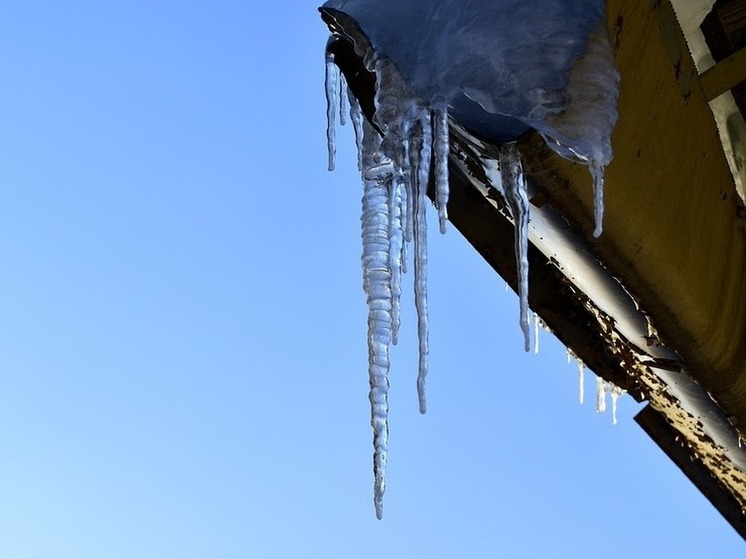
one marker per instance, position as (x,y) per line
(603,388)
(395,162)
(331,86)
(514,187)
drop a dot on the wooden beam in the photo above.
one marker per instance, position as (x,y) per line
(725,75)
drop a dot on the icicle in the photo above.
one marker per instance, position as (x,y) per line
(405,122)
(615,393)
(514,187)
(440,145)
(407,154)
(393,208)
(536,333)
(331,84)
(581,373)
(420,155)
(409,205)
(600,395)
(597,172)
(377,286)
(395,255)
(343,100)
(575,120)
(356,116)
(403,201)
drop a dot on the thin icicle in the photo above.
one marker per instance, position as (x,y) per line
(395,255)
(377,286)
(597,172)
(441,148)
(343,100)
(420,155)
(537,320)
(356,116)
(581,381)
(409,178)
(331,85)
(409,206)
(403,202)
(514,186)
(391,205)
(615,393)
(600,395)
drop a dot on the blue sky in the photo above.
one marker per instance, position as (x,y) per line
(182,335)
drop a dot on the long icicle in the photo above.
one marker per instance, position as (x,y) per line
(377,286)
(420,155)
(331,86)
(356,116)
(403,211)
(395,254)
(514,186)
(440,152)
(343,100)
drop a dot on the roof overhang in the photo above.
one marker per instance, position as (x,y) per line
(657,304)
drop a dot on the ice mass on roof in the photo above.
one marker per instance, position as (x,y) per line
(495,69)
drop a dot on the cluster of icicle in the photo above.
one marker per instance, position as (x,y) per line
(396,155)
(603,387)
(396,160)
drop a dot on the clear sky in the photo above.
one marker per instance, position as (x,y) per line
(182,326)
